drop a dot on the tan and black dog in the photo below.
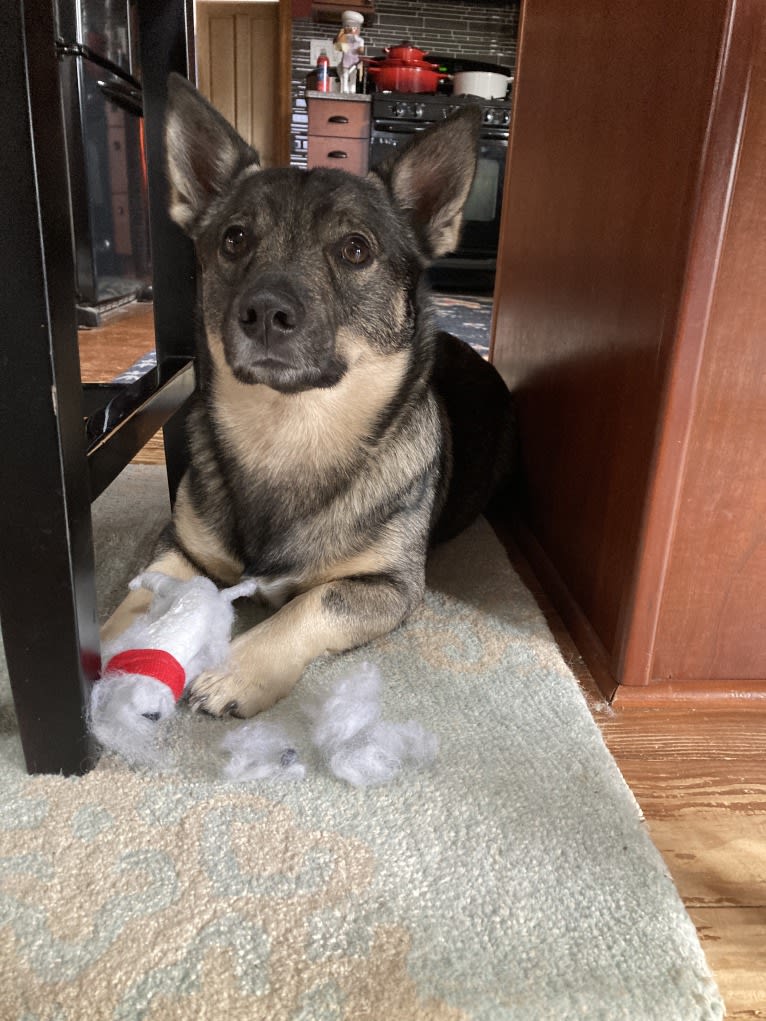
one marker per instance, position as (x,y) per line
(336,434)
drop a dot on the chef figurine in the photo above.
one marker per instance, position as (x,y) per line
(351,45)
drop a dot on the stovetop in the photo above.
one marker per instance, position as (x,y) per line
(420,106)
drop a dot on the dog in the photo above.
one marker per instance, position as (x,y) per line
(335,435)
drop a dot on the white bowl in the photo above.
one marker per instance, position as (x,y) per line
(486,84)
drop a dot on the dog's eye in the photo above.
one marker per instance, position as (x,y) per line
(355,250)
(234,242)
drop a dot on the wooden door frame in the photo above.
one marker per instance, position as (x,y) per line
(283,90)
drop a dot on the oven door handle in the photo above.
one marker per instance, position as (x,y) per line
(124,96)
(86,53)
(397,127)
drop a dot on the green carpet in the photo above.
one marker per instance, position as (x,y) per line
(512,880)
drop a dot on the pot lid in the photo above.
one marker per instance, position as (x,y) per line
(453,65)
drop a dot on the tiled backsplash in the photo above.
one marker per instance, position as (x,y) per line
(450,29)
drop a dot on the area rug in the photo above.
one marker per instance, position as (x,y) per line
(512,880)
(468,316)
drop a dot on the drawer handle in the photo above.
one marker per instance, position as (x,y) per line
(338,154)
(337,119)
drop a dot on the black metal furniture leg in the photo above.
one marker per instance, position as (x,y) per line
(166,30)
(50,468)
(47,587)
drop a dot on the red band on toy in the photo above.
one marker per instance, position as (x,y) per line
(154,663)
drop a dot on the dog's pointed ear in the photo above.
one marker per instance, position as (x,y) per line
(433,176)
(204,152)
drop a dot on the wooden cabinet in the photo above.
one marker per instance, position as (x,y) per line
(339,133)
(631,320)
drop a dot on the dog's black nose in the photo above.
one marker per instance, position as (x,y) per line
(269,314)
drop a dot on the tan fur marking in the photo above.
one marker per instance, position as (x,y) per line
(201,542)
(371,561)
(294,433)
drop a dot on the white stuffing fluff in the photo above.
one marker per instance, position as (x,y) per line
(377,756)
(124,713)
(261,750)
(345,727)
(356,744)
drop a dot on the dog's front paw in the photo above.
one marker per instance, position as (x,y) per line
(220,693)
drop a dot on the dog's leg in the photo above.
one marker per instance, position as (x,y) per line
(135,603)
(266,661)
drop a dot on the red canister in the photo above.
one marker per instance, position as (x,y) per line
(323,72)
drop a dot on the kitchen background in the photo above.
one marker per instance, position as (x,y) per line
(483,31)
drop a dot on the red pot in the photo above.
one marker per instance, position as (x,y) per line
(405,78)
(389,62)
(404,51)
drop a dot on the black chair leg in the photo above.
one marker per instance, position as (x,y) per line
(166,30)
(47,587)
(47,583)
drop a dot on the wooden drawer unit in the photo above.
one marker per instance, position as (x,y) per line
(349,154)
(339,134)
(345,118)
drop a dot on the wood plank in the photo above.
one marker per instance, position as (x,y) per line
(720,692)
(243,60)
(283,108)
(667,788)
(734,941)
(223,89)
(153,452)
(716,859)
(245,71)
(126,335)
(712,618)
(267,78)
(599,195)
(680,735)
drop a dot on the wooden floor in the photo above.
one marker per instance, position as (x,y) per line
(699,775)
(108,350)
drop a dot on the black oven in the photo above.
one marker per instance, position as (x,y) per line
(97,44)
(395,118)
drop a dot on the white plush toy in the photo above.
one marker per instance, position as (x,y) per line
(186,630)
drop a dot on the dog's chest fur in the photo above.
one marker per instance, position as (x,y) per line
(309,434)
(309,479)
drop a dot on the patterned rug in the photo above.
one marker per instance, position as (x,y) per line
(513,880)
(468,316)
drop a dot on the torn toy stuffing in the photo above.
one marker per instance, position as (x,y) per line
(357,745)
(346,728)
(261,750)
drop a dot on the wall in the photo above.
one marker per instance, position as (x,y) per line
(485,32)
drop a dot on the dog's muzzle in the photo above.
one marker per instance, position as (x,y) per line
(270,315)
(267,339)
